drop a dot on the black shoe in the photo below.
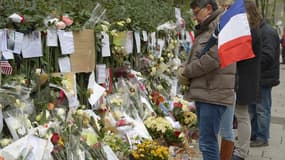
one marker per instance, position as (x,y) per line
(252,138)
(234,157)
(258,143)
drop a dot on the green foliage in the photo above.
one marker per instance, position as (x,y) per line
(35,11)
(172,137)
(146,15)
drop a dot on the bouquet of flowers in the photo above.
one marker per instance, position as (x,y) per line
(117,144)
(157,126)
(185,117)
(150,150)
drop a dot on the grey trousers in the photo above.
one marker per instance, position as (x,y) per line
(243,131)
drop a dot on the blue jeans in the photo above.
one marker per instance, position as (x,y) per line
(209,119)
(226,129)
(260,115)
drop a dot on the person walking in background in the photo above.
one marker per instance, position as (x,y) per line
(248,79)
(283,45)
(260,113)
(211,87)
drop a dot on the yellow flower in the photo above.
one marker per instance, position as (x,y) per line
(39,117)
(17,103)
(153,71)
(114,33)
(104,28)
(106,23)
(128,20)
(151,57)
(38,71)
(5,141)
(79,112)
(159,87)
(121,23)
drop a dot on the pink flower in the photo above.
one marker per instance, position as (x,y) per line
(60,25)
(121,122)
(67,20)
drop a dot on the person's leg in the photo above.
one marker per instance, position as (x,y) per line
(253,120)
(283,55)
(226,128)
(209,119)
(263,115)
(227,134)
(243,130)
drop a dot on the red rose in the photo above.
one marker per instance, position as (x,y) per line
(55,138)
(177,104)
(177,133)
(23,19)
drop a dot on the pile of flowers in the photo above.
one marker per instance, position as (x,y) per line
(150,150)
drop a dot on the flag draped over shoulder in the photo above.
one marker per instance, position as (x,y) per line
(234,38)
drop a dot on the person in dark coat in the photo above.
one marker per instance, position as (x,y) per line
(261,112)
(248,80)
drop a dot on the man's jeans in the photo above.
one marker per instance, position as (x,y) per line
(260,116)
(209,119)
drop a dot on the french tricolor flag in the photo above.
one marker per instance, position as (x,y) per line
(234,38)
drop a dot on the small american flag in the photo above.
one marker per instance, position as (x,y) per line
(6,68)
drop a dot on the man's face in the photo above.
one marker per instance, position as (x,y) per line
(200,14)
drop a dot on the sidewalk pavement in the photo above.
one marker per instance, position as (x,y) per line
(276,148)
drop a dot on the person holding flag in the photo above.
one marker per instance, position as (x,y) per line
(211,87)
(226,129)
(248,82)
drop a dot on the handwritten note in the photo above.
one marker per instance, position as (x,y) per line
(129,42)
(144,36)
(64,64)
(32,45)
(52,38)
(18,42)
(105,45)
(97,90)
(101,73)
(66,42)
(138,41)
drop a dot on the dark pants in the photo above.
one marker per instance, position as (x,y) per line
(260,115)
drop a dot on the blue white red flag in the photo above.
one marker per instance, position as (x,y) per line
(234,39)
